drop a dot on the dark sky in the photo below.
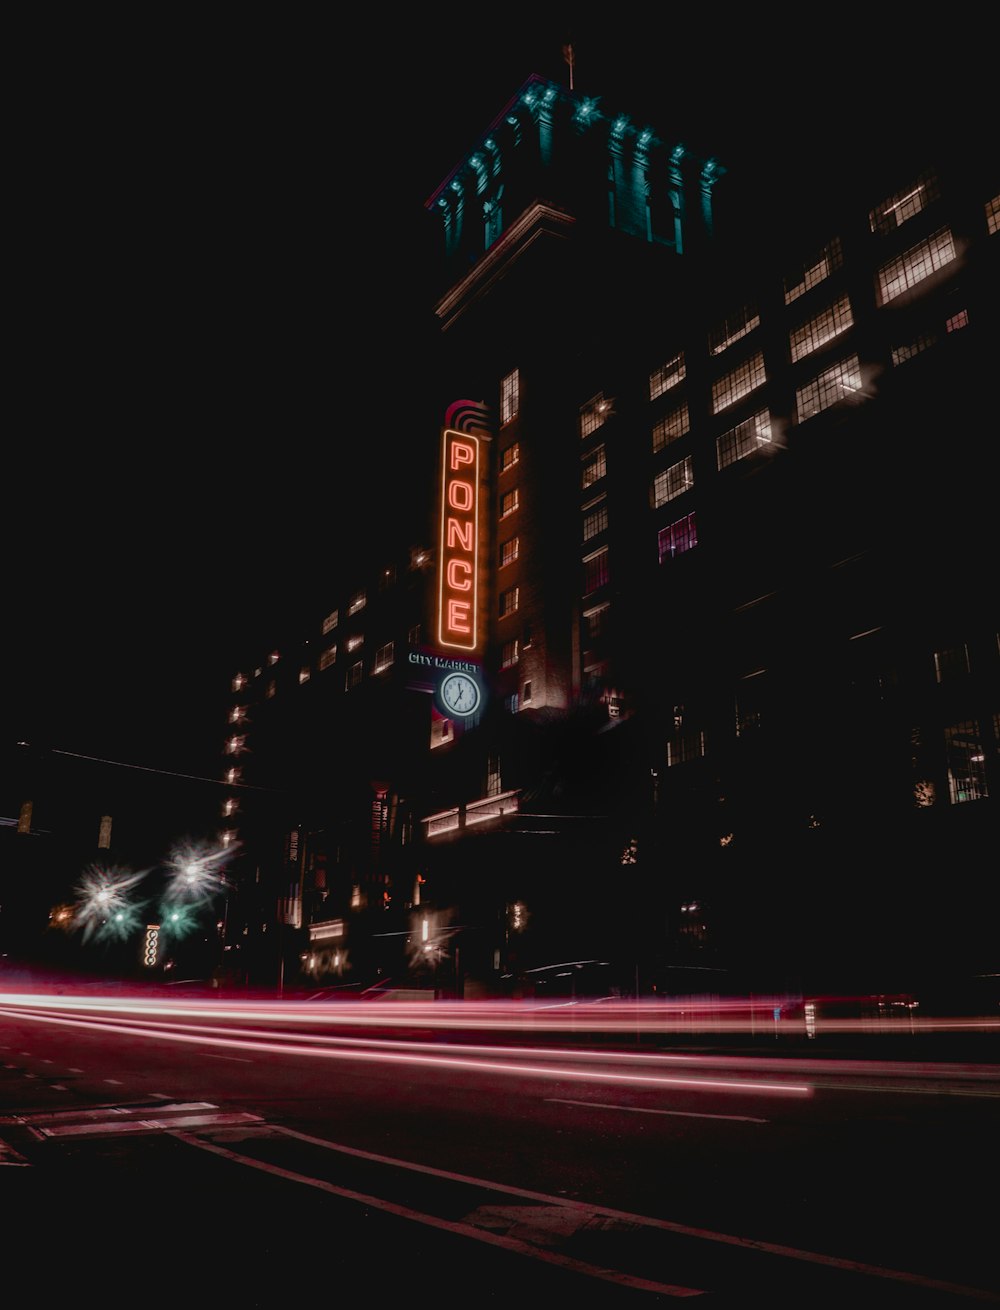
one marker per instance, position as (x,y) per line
(213,310)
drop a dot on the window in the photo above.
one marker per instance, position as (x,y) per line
(670,427)
(413,636)
(328,657)
(236,745)
(966,762)
(526,638)
(354,675)
(354,642)
(595,518)
(666,376)
(596,621)
(384,657)
(732,328)
(817,331)
(493,775)
(677,538)
(733,386)
(593,414)
(993,215)
(510,396)
(508,654)
(526,697)
(672,482)
(508,601)
(237,714)
(509,456)
(894,212)
(915,264)
(953,663)
(274,657)
(686,746)
(743,439)
(508,503)
(957,321)
(511,703)
(271,689)
(832,385)
(509,550)
(595,570)
(239,682)
(911,348)
(331,621)
(358,601)
(813,271)
(305,673)
(594,467)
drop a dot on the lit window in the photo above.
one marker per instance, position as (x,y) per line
(672,482)
(305,673)
(957,321)
(966,762)
(820,329)
(813,271)
(894,212)
(596,621)
(677,538)
(508,601)
(239,682)
(384,657)
(670,427)
(271,689)
(743,439)
(686,746)
(993,215)
(358,601)
(331,621)
(911,348)
(732,328)
(509,551)
(354,642)
(354,675)
(833,384)
(733,386)
(328,657)
(509,456)
(526,697)
(953,663)
(596,411)
(229,806)
(508,503)
(511,703)
(413,636)
(237,714)
(508,654)
(915,264)
(233,775)
(273,657)
(595,518)
(595,570)
(235,745)
(510,396)
(666,376)
(594,467)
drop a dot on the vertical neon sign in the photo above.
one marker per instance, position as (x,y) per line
(458,576)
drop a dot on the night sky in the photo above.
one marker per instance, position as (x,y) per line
(211,307)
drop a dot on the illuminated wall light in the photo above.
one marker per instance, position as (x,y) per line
(458,579)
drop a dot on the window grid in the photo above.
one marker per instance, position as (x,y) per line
(384,657)
(354,675)
(915,264)
(895,211)
(677,537)
(595,570)
(966,762)
(596,621)
(993,215)
(670,427)
(733,328)
(666,376)
(510,395)
(510,457)
(595,467)
(508,503)
(952,663)
(831,386)
(743,439)
(911,348)
(733,386)
(330,622)
(508,653)
(508,601)
(689,746)
(672,482)
(358,601)
(820,329)
(328,657)
(810,275)
(593,414)
(595,521)
(509,551)
(957,321)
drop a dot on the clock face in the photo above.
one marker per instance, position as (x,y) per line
(460,693)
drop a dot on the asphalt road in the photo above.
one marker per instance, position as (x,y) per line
(278,1154)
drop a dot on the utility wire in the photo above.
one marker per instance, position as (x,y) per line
(193,777)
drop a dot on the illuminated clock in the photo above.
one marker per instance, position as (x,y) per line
(460,694)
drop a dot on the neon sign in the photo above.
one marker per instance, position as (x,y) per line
(458,578)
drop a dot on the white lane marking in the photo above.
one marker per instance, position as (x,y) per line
(110,1128)
(48,1062)
(448,1226)
(238,1059)
(72,1069)
(103,1111)
(31,1075)
(637,1109)
(161,1096)
(116,1081)
(58,1087)
(665,1225)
